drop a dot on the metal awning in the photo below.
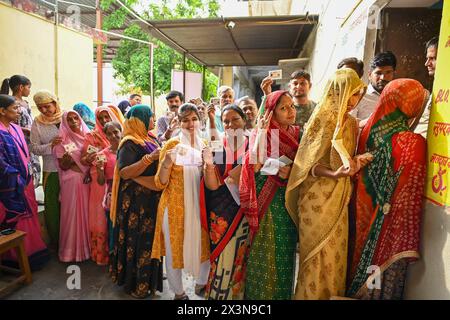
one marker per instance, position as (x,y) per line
(86,10)
(243,41)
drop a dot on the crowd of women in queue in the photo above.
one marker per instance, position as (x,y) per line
(114,194)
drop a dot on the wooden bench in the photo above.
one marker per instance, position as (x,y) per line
(15,241)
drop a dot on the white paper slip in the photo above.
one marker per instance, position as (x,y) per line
(285,160)
(276,74)
(101,158)
(234,190)
(271,167)
(92,149)
(70,147)
(188,156)
(216,145)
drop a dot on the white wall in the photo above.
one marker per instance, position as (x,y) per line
(429,277)
(335,40)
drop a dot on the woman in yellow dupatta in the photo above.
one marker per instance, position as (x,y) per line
(117,113)
(134,203)
(319,188)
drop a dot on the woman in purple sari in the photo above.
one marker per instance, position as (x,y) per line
(18,207)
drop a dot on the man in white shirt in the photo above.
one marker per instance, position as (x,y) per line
(167,125)
(430,63)
(382,71)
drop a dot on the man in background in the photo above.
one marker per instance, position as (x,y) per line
(126,105)
(382,71)
(299,88)
(431,49)
(168,125)
(352,63)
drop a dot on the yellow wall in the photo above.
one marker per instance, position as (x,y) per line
(227,76)
(75,57)
(28,48)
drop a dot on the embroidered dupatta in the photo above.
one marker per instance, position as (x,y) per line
(255,205)
(389,191)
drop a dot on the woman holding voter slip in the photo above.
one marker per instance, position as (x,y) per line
(18,206)
(74,237)
(44,137)
(273,232)
(319,188)
(220,204)
(180,235)
(389,194)
(96,141)
(134,203)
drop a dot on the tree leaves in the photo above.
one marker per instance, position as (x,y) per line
(133,58)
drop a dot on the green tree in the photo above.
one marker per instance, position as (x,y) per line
(132,61)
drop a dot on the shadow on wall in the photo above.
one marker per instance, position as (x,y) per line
(427,278)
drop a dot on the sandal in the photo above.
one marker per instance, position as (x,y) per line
(200,289)
(183,297)
(139,296)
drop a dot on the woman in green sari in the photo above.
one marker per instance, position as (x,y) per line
(273,232)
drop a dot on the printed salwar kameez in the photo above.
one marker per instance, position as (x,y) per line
(133,212)
(228,229)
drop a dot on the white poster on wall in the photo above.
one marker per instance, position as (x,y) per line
(353,32)
(193,84)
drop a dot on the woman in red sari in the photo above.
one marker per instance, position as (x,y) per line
(273,231)
(388,193)
(98,224)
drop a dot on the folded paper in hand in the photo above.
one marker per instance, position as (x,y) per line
(271,167)
(234,189)
(188,156)
(92,149)
(70,147)
(101,158)
(217,145)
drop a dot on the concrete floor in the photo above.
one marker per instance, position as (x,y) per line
(50,283)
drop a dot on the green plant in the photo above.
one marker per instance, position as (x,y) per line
(132,61)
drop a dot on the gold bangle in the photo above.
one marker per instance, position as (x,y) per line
(312,170)
(147,160)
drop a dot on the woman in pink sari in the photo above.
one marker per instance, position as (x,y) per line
(105,169)
(94,142)
(74,238)
(18,207)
